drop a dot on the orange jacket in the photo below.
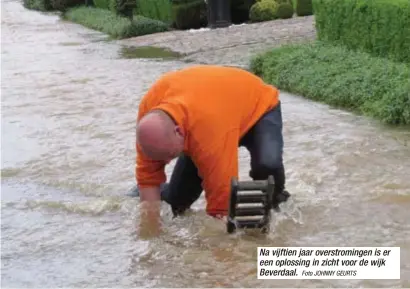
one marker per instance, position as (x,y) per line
(215,106)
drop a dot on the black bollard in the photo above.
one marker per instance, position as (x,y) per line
(219,13)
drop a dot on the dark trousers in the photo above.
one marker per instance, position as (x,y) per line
(264,141)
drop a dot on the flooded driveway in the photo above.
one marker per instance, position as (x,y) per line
(69,104)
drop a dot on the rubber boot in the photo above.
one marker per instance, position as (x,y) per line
(280,198)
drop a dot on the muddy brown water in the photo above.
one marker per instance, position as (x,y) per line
(69,104)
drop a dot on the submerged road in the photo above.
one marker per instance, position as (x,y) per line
(69,104)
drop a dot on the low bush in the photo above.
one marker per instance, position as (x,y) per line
(379,27)
(285,11)
(340,77)
(40,5)
(114,25)
(304,7)
(155,9)
(263,10)
(187,14)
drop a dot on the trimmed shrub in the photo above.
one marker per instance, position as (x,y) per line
(291,2)
(63,5)
(304,7)
(340,77)
(285,11)
(155,9)
(263,10)
(40,5)
(379,27)
(114,25)
(187,14)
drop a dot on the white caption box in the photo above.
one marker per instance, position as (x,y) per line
(328,262)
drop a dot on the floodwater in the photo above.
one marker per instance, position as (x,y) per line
(69,104)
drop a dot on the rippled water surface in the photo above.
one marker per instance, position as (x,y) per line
(69,105)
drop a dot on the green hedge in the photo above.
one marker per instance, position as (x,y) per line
(340,77)
(380,27)
(113,25)
(155,9)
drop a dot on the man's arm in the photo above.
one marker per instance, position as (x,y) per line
(150,213)
(149,175)
(150,194)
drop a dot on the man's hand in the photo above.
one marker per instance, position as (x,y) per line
(150,212)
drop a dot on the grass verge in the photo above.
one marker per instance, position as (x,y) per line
(342,78)
(113,25)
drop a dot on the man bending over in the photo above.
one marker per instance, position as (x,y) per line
(201,115)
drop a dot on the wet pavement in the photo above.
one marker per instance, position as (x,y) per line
(233,45)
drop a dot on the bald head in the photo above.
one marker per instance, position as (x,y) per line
(159,137)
